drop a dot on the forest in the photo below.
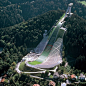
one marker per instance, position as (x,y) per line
(75,40)
(16,11)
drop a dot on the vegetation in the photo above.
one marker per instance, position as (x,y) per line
(16,39)
(19,31)
(10,15)
(15,11)
(82,2)
(75,40)
(34,62)
(24,68)
(60,33)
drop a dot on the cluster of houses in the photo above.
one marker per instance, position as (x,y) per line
(72,77)
(68,79)
(51,83)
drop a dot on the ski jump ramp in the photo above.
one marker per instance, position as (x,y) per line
(50,52)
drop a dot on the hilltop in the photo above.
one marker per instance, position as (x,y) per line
(15,11)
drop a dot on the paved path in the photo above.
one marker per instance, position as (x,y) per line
(17,68)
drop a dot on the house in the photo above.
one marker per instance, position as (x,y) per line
(52,83)
(62,76)
(82,77)
(36,85)
(28,84)
(66,76)
(73,77)
(63,84)
(56,75)
(2,81)
(67,81)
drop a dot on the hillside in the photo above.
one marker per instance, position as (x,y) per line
(75,40)
(10,15)
(17,38)
(15,11)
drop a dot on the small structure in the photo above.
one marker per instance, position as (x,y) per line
(63,84)
(62,76)
(2,79)
(67,81)
(52,83)
(36,85)
(82,77)
(28,84)
(56,75)
(73,77)
(66,76)
(68,12)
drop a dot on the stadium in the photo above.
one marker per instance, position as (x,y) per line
(48,52)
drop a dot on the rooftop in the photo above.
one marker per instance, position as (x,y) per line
(36,85)
(52,83)
(63,84)
(73,76)
(70,4)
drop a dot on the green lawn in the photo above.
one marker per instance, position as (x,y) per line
(34,62)
(82,2)
(24,68)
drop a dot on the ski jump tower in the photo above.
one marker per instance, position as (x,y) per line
(68,12)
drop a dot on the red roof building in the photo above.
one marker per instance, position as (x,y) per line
(52,83)
(73,77)
(36,85)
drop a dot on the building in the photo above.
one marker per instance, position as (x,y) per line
(62,76)
(73,77)
(36,85)
(28,84)
(56,75)
(52,83)
(82,77)
(66,76)
(63,84)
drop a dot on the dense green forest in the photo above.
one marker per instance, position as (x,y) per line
(75,40)
(16,11)
(10,15)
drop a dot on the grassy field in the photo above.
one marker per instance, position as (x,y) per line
(34,62)
(24,68)
(82,2)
